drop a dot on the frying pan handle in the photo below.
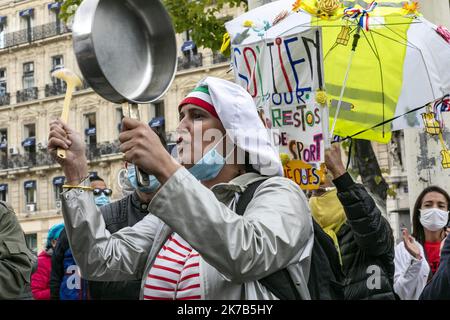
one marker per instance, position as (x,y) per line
(142,178)
(131,110)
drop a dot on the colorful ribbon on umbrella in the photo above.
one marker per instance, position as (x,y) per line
(444,33)
(362,14)
(434,125)
(444,103)
(441,105)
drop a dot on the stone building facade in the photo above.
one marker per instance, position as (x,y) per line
(33,42)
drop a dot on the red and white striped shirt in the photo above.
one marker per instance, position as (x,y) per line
(175,275)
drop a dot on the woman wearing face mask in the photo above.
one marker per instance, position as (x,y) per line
(193,245)
(417,257)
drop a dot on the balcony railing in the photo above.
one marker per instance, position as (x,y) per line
(55,89)
(3,162)
(193,61)
(219,58)
(95,151)
(5,99)
(49,30)
(84,85)
(27,95)
(29,159)
(43,158)
(40,32)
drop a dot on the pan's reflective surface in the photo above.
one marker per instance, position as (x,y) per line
(126,49)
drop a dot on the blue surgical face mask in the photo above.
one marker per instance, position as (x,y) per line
(208,167)
(102,200)
(154,183)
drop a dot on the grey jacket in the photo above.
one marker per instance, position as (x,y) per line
(275,232)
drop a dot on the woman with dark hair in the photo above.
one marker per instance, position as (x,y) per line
(417,257)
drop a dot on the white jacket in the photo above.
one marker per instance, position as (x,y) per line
(411,274)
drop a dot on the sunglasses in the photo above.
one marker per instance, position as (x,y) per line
(107,192)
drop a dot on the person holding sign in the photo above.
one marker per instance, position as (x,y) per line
(362,236)
(193,245)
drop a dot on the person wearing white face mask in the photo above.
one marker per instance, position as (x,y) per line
(193,244)
(417,257)
(117,215)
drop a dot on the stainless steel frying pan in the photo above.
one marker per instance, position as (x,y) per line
(126,51)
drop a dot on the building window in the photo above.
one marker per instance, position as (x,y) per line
(58,190)
(188,47)
(91,129)
(26,22)
(31,241)
(55,8)
(158,122)
(29,130)
(29,143)
(4,192)
(159,109)
(119,117)
(28,75)
(3,20)
(404,220)
(58,183)
(30,192)
(57,62)
(405,189)
(4,148)
(3,87)
(26,15)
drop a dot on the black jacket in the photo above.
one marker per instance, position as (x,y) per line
(117,215)
(366,244)
(439,286)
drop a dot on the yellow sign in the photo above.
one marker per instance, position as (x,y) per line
(305,175)
(431,125)
(445,159)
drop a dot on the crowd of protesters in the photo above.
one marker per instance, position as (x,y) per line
(219,221)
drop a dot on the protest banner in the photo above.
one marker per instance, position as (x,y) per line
(284,75)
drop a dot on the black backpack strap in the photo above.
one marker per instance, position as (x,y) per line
(247,196)
(280,282)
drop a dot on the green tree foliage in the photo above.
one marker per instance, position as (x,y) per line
(201,17)
(68,9)
(198,16)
